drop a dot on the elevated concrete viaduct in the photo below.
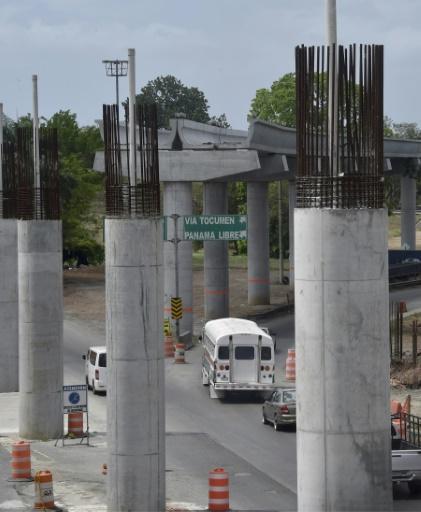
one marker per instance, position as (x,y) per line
(195,152)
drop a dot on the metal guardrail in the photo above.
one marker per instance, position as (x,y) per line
(410,428)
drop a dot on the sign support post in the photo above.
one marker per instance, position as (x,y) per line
(176,241)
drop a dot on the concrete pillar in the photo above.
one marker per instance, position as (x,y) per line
(40,329)
(216,274)
(9,311)
(258,244)
(341,325)
(408,212)
(292,198)
(135,379)
(178,199)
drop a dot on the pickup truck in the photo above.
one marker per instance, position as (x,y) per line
(406,451)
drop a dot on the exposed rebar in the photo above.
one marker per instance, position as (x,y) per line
(352,175)
(124,198)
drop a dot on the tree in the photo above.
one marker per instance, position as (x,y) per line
(173,97)
(220,121)
(277,104)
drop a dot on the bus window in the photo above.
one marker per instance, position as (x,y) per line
(245,353)
(223,353)
(266,354)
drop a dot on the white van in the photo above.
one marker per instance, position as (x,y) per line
(237,356)
(96,368)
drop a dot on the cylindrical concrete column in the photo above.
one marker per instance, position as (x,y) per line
(40,329)
(216,274)
(292,198)
(408,212)
(258,270)
(178,200)
(9,310)
(342,357)
(135,379)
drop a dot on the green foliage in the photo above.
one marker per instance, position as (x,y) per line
(277,104)
(172,97)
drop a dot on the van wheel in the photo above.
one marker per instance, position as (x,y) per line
(87,382)
(94,391)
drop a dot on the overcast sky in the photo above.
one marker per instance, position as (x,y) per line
(227,48)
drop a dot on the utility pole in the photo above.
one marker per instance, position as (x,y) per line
(176,240)
(35,124)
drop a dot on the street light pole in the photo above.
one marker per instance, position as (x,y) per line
(116,68)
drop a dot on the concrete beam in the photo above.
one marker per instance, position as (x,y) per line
(258,272)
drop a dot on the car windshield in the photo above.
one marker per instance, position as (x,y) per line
(288,396)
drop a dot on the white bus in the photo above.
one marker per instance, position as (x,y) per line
(237,356)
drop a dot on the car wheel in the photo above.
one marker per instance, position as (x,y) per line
(94,391)
(264,419)
(275,423)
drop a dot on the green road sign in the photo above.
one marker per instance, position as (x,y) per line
(215,227)
(208,227)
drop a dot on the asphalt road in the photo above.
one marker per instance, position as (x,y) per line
(234,423)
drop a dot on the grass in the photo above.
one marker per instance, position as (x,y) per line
(235,261)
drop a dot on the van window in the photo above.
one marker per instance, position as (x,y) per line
(245,353)
(266,354)
(223,353)
(92,357)
(102,360)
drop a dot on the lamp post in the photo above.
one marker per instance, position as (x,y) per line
(116,68)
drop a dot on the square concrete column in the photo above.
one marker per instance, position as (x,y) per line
(178,200)
(9,308)
(258,271)
(40,263)
(408,212)
(216,273)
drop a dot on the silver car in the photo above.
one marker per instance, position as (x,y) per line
(280,408)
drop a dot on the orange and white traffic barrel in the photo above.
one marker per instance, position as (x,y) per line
(219,494)
(179,353)
(169,346)
(290,364)
(21,461)
(75,424)
(44,495)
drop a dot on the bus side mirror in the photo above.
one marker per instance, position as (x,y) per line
(84,357)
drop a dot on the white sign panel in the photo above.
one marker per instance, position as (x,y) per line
(75,398)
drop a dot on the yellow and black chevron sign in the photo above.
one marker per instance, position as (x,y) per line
(167,327)
(176,308)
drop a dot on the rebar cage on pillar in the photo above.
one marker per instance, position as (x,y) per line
(136,194)
(20,197)
(339,157)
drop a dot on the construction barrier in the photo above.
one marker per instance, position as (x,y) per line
(75,424)
(44,495)
(395,407)
(21,461)
(219,494)
(179,353)
(169,346)
(290,364)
